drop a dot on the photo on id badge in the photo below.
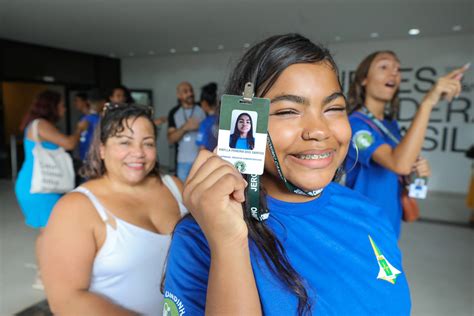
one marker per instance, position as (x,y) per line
(242,138)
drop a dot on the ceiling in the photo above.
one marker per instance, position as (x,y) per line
(126,28)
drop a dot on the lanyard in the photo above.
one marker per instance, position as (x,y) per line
(186,118)
(253,190)
(380,125)
(410,178)
(290,186)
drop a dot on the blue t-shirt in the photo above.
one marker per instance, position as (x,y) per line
(242,143)
(87,135)
(378,183)
(207,135)
(327,242)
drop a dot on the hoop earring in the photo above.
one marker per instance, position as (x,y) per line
(357,157)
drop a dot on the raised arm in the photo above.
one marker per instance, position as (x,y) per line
(49,132)
(213,194)
(66,255)
(402,158)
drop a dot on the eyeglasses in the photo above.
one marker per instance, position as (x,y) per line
(112,106)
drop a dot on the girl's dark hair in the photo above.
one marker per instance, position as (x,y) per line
(113,122)
(357,90)
(236,134)
(209,94)
(263,64)
(126,92)
(45,106)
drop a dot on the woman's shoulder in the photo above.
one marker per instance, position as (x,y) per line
(74,208)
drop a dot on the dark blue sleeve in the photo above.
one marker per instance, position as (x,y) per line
(367,140)
(201,136)
(187,271)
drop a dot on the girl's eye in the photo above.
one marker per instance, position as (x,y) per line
(285,112)
(337,109)
(150,144)
(124,142)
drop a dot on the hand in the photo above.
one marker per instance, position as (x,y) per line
(213,194)
(422,168)
(82,126)
(191,125)
(160,120)
(447,87)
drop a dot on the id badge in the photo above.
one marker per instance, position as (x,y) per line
(418,189)
(242,137)
(187,137)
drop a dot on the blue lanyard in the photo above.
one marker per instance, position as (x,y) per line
(380,125)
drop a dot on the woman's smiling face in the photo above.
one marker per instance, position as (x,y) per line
(130,155)
(309,128)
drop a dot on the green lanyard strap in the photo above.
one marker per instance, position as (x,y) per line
(253,190)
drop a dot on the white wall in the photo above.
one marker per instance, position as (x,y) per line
(423,59)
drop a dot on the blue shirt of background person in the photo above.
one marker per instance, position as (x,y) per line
(331,261)
(375,90)
(242,137)
(86,136)
(364,175)
(208,131)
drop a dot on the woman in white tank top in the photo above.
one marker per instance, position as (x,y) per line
(104,248)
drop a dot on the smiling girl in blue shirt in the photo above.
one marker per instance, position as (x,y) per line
(378,160)
(242,137)
(328,252)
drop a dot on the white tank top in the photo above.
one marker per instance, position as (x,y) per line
(128,268)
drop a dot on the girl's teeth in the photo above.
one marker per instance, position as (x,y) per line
(322,156)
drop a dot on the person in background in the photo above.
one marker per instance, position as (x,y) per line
(380,156)
(105,246)
(81,104)
(183,122)
(46,110)
(96,102)
(324,249)
(120,94)
(208,129)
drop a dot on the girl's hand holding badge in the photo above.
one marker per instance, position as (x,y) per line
(214,194)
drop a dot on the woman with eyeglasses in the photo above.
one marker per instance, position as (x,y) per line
(104,247)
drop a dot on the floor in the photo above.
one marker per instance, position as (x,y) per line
(438,256)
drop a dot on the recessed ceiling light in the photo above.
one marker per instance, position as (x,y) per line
(374,35)
(152,52)
(195,49)
(173,50)
(220,47)
(457,28)
(414,31)
(337,38)
(246,45)
(131,54)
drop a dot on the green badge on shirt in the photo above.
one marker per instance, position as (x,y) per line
(363,139)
